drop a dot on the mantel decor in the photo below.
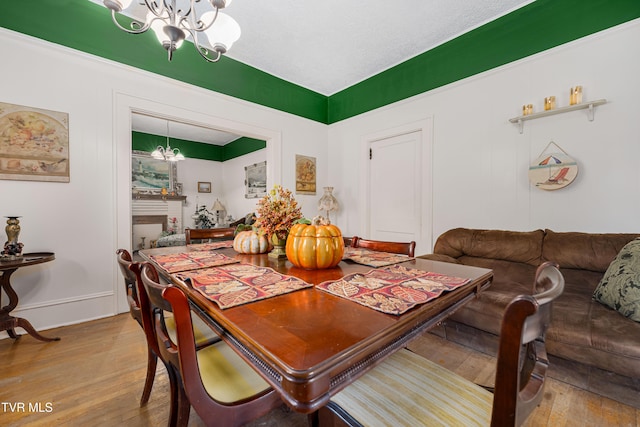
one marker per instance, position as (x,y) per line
(34,144)
(150,176)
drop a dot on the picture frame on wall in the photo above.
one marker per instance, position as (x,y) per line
(255,182)
(34,144)
(204,187)
(305,174)
(149,175)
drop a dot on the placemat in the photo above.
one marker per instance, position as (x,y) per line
(393,289)
(373,258)
(232,285)
(191,260)
(212,246)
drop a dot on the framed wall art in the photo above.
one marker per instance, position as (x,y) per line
(553,170)
(204,187)
(149,175)
(305,175)
(255,182)
(34,144)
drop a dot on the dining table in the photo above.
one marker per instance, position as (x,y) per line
(309,344)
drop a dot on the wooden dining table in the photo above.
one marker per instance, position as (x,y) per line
(309,344)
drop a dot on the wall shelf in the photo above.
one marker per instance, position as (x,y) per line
(590,106)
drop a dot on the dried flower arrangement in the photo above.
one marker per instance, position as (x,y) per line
(277,212)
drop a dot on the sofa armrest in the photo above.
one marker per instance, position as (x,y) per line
(440,257)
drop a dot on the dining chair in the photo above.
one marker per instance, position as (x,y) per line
(408,248)
(202,234)
(219,384)
(409,390)
(124,261)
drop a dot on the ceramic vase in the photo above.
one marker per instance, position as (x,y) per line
(12,248)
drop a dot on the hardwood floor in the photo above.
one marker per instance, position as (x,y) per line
(94,376)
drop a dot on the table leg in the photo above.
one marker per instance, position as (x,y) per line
(9,323)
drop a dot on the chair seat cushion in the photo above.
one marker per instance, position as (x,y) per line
(226,376)
(409,390)
(202,333)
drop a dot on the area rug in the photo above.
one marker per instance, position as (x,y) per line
(373,258)
(212,246)
(393,289)
(184,261)
(232,285)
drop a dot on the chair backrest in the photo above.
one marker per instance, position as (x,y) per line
(522,359)
(232,413)
(408,248)
(124,261)
(200,234)
(153,306)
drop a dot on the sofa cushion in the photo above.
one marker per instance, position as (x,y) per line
(620,285)
(587,251)
(517,246)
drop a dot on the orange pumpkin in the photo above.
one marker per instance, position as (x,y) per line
(314,246)
(250,242)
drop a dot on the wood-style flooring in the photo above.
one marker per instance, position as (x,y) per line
(94,377)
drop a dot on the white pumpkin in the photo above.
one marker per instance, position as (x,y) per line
(250,242)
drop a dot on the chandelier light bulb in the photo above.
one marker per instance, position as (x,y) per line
(223,33)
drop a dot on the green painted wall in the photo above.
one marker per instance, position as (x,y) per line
(198,150)
(539,26)
(534,28)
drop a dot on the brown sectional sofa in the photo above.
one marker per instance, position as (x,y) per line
(582,331)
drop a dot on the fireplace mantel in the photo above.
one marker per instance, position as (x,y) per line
(157,197)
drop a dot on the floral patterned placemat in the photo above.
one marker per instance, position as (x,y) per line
(191,260)
(212,246)
(393,289)
(232,285)
(373,258)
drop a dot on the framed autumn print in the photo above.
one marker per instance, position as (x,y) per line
(305,175)
(34,144)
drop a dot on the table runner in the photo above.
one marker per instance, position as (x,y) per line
(373,258)
(237,284)
(393,289)
(183,261)
(211,246)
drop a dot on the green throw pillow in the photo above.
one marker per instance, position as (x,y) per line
(620,285)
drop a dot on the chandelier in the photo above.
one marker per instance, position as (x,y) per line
(169,154)
(172,25)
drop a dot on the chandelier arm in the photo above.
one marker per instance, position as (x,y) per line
(203,51)
(136,26)
(200,26)
(157,9)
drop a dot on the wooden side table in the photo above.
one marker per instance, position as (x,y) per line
(7,268)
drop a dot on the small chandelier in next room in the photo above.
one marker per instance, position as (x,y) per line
(173,21)
(169,154)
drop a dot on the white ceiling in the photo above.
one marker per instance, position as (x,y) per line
(329,45)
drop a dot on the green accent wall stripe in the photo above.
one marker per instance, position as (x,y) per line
(539,26)
(85,26)
(198,150)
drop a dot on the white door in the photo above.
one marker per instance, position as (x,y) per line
(395,188)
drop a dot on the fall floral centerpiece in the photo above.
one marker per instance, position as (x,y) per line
(277,212)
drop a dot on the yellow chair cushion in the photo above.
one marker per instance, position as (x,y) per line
(409,390)
(201,331)
(226,376)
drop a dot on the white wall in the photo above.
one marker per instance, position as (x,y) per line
(86,220)
(480,161)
